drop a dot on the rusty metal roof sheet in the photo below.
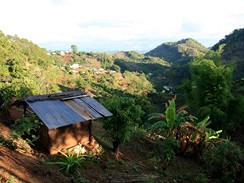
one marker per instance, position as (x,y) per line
(63,111)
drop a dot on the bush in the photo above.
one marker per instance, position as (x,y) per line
(223,160)
(26,128)
(167,150)
(126,115)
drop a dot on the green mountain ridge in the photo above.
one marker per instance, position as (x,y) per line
(27,69)
(179,52)
(233,51)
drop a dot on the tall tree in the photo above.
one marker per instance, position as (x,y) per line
(210,90)
(126,115)
(74,51)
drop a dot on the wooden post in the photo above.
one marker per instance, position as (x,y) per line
(25,109)
(90,131)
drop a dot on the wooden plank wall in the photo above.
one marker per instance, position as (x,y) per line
(68,136)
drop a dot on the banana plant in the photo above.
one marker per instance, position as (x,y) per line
(171,119)
(210,133)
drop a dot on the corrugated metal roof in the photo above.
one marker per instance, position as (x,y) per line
(93,104)
(79,110)
(56,113)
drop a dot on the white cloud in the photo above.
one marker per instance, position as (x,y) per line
(115,24)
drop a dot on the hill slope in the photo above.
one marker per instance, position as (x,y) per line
(154,68)
(26,69)
(233,51)
(181,51)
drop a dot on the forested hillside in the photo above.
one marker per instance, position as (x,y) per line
(181,51)
(233,51)
(26,69)
(155,68)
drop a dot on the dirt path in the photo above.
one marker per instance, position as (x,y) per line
(27,168)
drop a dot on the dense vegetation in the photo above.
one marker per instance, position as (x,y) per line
(182,51)
(135,87)
(209,92)
(178,53)
(233,47)
(26,69)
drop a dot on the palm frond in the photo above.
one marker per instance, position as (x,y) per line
(156,115)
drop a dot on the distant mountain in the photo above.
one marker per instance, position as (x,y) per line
(154,68)
(137,62)
(233,51)
(181,51)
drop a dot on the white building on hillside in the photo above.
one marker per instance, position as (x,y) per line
(75,66)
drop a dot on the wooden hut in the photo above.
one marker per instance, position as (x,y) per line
(66,118)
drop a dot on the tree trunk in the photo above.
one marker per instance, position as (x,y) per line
(116,148)
(90,131)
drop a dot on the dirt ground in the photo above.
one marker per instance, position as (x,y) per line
(26,168)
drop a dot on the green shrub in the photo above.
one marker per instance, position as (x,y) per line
(22,133)
(167,150)
(223,160)
(126,115)
(110,164)
(77,177)
(11,179)
(7,143)
(26,128)
(201,178)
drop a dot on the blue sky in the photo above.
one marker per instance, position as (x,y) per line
(119,25)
